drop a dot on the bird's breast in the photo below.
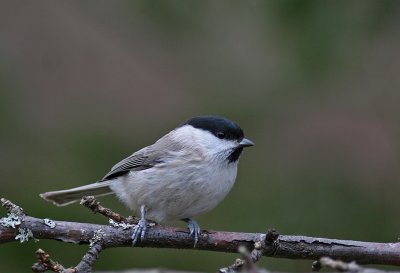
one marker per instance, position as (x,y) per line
(172,191)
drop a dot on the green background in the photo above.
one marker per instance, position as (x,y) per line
(315,84)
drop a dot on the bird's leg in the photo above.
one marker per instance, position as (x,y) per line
(140,229)
(194,229)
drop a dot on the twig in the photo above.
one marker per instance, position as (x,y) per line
(249,264)
(12,208)
(88,260)
(249,259)
(270,240)
(45,263)
(341,266)
(94,205)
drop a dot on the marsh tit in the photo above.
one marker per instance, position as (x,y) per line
(185,173)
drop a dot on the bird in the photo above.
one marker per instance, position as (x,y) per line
(185,173)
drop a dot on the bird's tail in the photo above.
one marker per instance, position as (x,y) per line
(66,197)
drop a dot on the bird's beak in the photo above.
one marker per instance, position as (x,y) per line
(246,143)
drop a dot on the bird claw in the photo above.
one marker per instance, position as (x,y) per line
(139,231)
(194,230)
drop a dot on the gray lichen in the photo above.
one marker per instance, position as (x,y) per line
(97,237)
(50,223)
(24,235)
(11,220)
(125,226)
(121,225)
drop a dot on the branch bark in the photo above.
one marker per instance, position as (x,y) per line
(284,246)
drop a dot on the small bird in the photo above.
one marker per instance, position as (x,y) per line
(185,173)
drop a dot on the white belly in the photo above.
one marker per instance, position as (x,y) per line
(172,193)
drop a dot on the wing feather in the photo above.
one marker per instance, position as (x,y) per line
(145,158)
(135,162)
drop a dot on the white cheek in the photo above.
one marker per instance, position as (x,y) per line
(201,139)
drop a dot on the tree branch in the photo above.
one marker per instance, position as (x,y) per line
(283,246)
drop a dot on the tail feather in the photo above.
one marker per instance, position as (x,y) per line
(66,197)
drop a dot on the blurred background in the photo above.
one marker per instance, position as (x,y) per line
(315,84)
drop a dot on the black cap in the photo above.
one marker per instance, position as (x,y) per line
(219,126)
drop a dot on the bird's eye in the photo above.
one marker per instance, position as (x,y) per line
(221,135)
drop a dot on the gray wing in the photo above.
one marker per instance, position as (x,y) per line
(143,159)
(140,160)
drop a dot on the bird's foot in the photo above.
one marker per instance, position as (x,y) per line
(194,230)
(139,231)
